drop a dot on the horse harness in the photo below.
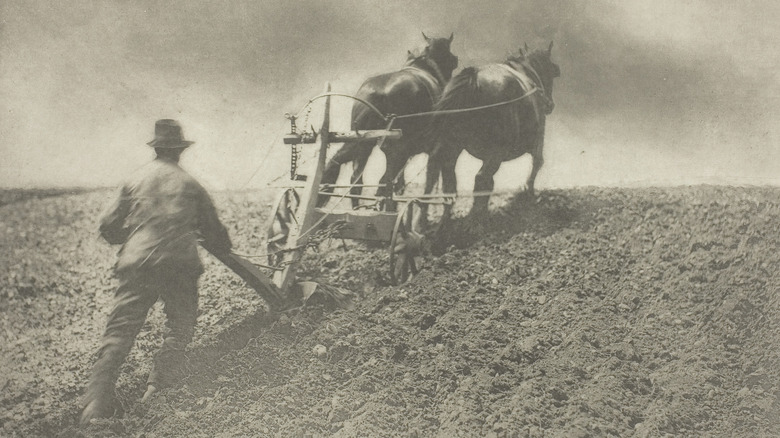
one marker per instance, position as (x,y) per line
(433,83)
(536,80)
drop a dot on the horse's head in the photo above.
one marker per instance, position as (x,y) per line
(438,50)
(546,70)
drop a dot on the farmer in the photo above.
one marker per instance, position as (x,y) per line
(158,219)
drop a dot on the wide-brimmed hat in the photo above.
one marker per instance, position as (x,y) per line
(168,134)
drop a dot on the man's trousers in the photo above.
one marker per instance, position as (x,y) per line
(134,297)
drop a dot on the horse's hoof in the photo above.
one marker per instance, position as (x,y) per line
(96,409)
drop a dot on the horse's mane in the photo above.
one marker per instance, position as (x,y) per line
(538,60)
(522,56)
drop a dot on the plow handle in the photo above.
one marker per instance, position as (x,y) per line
(254,277)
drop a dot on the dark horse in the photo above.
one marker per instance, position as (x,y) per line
(516,97)
(413,89)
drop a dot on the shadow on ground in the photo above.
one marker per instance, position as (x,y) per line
(542,215)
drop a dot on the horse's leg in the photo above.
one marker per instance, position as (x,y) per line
(400,184)
(449,183)
(538,161)
(446,162)
(358,167)
(395,165)
(483,185)
(332,169)
(432,172)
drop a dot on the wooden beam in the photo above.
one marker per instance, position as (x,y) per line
(254,277)
(346,137)
(360,224)
(350,196)
(349,186)
(353,136)
(298,236)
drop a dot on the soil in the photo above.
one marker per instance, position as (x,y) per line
(586,312)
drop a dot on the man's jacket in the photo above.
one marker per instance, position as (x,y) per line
(160,215)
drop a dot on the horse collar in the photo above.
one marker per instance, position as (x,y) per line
(534,76)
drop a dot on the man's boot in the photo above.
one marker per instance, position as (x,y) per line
(98,407)
(150,391)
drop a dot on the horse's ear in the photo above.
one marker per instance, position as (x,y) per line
(452,35)
(525,47)
(549,49)
(523,51)
(426,38)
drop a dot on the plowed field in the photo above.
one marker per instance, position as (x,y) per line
(590,312)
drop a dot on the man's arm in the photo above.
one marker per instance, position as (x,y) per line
(215,236)
(112,224)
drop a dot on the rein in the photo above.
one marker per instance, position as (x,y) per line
(438,76)
(388,117)
(364,102)
(465,110)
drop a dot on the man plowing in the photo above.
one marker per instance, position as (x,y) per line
(158,218)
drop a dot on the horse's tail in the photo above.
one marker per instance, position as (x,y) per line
(460,92)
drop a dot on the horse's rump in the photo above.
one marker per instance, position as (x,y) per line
(504,129)
(496,112)
(408,91)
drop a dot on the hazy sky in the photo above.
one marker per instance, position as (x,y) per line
(651,92)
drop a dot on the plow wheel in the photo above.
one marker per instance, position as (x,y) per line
(405,244)
(279,227)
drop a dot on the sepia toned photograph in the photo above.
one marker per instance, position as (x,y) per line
(364,218)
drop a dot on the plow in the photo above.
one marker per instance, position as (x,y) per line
(296,219)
